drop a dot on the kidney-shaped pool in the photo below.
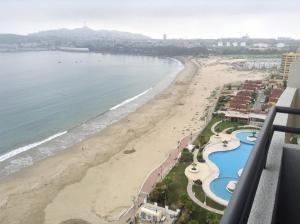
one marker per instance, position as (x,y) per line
(229,164)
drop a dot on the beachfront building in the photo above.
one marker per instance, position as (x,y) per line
(258,64)
(243,99)
(252,119)
(261,45)
(286,61)
(243,44)
(275,94)
(152,213)
(268,189)
(280,45)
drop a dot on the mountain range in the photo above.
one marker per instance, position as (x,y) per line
(77,34)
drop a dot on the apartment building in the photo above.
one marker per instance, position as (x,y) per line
(286,61)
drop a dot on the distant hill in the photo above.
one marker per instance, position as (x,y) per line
(11,38)
(16,39)
(85,34)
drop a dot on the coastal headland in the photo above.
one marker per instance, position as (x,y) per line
(95,180)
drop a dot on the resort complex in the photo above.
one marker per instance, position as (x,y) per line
(210,163)
(149,112)
(268,192)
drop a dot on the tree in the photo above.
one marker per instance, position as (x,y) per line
(158,193)
(194,166)
(190,206)
(184,198)
(184,218)
(186,156)
(212,218)
(225,143)
(200,157)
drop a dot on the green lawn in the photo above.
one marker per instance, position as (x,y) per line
(172,189)
(198,192)
(205,135)
(201,196)
(175,184)
(227,124)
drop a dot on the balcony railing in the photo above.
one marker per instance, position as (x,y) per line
(241,202)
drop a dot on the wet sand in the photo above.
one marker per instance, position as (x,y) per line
(95,180)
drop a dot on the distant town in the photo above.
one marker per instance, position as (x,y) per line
(86,39)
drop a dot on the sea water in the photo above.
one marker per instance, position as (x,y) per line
(50,100)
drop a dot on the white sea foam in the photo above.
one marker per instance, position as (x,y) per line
(30,146)
(130,99)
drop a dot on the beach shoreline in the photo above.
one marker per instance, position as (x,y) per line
(95,180)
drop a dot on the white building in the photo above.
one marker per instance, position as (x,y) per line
(261,45)
(243,44)
(152,213)
(220,43)
(228,44)
(280,45)
(235,44)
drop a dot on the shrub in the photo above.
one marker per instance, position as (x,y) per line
(294,140)
(198,182)
(225,143)
(213,218)
(200,157)
(158,193)
(186,156)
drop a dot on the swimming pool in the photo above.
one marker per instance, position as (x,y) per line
(229,163)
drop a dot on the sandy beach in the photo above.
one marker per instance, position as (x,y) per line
(95,180)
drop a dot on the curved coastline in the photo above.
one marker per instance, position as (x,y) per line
(73,174)
(54,144)
(75,182)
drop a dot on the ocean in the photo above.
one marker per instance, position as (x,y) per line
(50,100)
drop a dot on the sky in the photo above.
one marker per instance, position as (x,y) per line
(176,18)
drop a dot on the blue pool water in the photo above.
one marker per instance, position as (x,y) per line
(229,163)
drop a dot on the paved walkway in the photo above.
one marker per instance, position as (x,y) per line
(198,202)
(214,126)
(202,172)
(156,176)
(160,172)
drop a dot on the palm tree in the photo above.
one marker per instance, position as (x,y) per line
(225,143)
(194,166)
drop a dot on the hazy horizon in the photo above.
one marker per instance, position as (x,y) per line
(188,19)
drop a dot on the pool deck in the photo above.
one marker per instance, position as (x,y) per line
(216,145)
(203,171)
(209,171)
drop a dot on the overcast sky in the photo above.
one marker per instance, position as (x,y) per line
(176,18)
